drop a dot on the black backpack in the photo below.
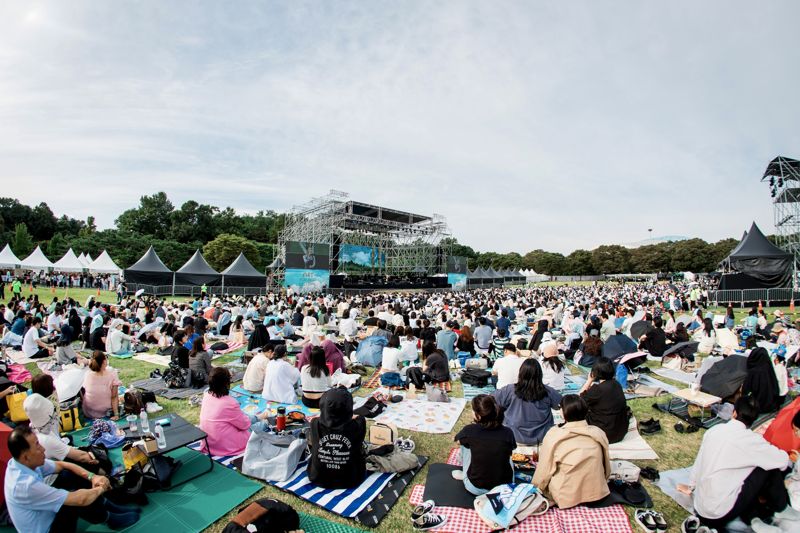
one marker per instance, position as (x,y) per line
(475,377)
(175,376)
(267,516)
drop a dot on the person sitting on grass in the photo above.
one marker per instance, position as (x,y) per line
(281,378)
(256,371)
(574,464)
(227,426)
(199,362)
(738,474)
(605,398)
(528,404)
(101,389)
(315,378)
(36,506)
(486,447)
(32,345)
(65,353)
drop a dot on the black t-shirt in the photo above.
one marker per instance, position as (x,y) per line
(337,460)
(655,342)
(297,319)
(180,355)
(371,321)
(608,409)
(437,367)
(491,450)
(96,339)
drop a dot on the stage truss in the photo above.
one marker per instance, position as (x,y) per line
(411,244)
(783,175)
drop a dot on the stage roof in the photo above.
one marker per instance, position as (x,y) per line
(383,213)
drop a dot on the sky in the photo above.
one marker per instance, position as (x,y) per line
(553,125)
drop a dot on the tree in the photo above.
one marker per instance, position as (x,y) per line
(719,251)
(579,263)
(550,263)
(611,259)
(192,222)
(89,228)
(21,242)
(42,223)
(651,258)
(152,217)
(223,250)
(57,247)
(69,226)
(226,221)
(691,255)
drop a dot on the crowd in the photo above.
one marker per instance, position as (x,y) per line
(521,336)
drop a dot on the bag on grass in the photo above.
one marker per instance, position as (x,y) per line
(435,394)
(176,377)
(506,506)
(391,379)
(264,516)
(69,414)
(15,410)
(219,346)
(476,377)
(624,471)
(381,434)
(273,457)
(134,400)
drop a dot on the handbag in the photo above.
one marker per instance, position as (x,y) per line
(69,415)
(506,506)
(381,433)
(273,457)
(16,412)
(476,362)
(133,456)
(624,471)
(435,394)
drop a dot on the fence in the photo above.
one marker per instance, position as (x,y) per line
(751,296)
(194,290)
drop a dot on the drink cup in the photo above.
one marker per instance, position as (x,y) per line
(132,420)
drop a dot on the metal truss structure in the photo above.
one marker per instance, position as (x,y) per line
(783,175)
(411,244)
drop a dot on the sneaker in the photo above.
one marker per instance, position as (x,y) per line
(658,518)
(655,427)
(429,521)
(690,525)
(759,526)
(422,509)
(457,475)
(645,520)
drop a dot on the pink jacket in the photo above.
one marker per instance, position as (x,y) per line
(227,426)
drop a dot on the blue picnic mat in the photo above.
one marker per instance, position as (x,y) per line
(252,403)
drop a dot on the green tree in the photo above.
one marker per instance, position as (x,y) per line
(22,241)
(719,251)
(152,217)
(611,259)
(57,247)
(223,250)
(579,263)
(68,226)
(550,263)
(42,223)
(192,222)
(651,258)
(693,255)
(226,221)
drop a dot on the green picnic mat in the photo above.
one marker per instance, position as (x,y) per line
(314,524)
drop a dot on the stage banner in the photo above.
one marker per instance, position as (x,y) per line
(456,264)
(457,281)
(302,280)
(307,256)
(354,258)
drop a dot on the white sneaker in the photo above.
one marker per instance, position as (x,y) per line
(761,527)
(788,514)
(458,475)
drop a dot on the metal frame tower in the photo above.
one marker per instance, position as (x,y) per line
(783,175)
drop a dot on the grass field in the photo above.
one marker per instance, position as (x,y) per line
(674,449)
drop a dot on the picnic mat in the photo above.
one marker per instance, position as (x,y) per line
(441,487)
(252,403)
(158,387)
(421,415)
(19,357)
(195,505)
(632,447)
(676,375)
(232,347)
(471,391)
(374,382)
(154,358)
(680,408)
(576,520)
(315,524)
(126,355)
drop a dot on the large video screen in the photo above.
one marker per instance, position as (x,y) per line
(302,280)
(456,264)
(307,255)
(353,257)
(457,281)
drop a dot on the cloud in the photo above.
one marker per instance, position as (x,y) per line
(527,126)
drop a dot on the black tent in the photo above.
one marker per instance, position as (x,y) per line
(197,272)
(241,273)
(149,270)
(725,377)
(758,259)
(725,263)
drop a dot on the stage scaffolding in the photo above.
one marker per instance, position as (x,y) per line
(411,244)
(783,175)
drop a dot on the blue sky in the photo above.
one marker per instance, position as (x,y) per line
(555,125)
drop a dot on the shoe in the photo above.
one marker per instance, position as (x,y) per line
(658,518)
(651,429)
(760,526)
(422,509)
(458,475)
(429,521)
(405,444)
(645,423)
(690,525)
(645,521)
(650,473)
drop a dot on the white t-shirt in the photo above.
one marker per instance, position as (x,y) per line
(255,373)
(280,381)
(408,349)
(551,378)
(54,322)
(29,345)
(54,448)
(507,370)
(312,384)
(391,358)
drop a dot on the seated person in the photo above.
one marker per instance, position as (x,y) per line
(97,338)
(553,370)
(761,382)
(180,354)
(528,404)
(256,371)
(591,349)
(65,353)
(390,362)
(435,368)
(336,438)
(334,357)
(227,426)
(101,389)
(506,369)
(38,507)
(32,345)
(199,362)
(236,333)
(259,338)
(574,464)
(605,398)
(315,378)
(190,336)
(738,474)
(118,340)
(655,340)
(498,345)
(486,447)
(281,378)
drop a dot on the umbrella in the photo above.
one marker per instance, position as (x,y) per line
(638,315)
(530,311)
(682,348)
(640,328)
(618,345)
(139,293)
(725,377)
(686,319)
(633,359)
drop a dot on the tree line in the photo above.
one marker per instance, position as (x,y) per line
(176,232)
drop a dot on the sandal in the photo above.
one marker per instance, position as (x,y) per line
(689,428)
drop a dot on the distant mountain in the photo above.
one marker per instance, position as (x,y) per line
(655,240)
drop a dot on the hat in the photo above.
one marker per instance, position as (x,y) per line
(40,411)
(778,312)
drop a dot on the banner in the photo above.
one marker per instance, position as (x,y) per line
(307,255)
(354,258)
(456,264)
(457,281)
(302,280)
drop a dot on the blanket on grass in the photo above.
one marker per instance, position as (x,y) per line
(421,415)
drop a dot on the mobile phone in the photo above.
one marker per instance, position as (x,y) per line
(164,422)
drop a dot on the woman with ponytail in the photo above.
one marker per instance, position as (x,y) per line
(101,389)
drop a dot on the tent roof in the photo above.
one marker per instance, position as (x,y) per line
(241,267)
(69,263)
(83,260)
(790,167)
(197,265)
(104,263)
(8,259)
(149,262)
(755,244)
(37,260)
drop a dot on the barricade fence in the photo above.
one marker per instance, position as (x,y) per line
(194,290)
(743,297)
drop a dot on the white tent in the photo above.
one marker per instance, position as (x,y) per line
(104,265)
(531,276)
(8,259)
(37,260)
(69,263)
(82,258)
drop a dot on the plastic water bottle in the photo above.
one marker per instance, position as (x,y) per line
(144,424)
(161,439)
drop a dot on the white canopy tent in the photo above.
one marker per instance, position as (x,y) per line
(8,259)
(85,262)
(104,265)
(69,263)
(37,260)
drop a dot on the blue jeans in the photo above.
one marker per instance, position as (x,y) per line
(466,459)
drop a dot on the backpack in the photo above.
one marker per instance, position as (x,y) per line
(219,347)
(475,377)
(506,506)
(263,516)
(391,379)
(175,377)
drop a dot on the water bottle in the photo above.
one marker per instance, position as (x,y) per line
(161,439)
(144,425)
